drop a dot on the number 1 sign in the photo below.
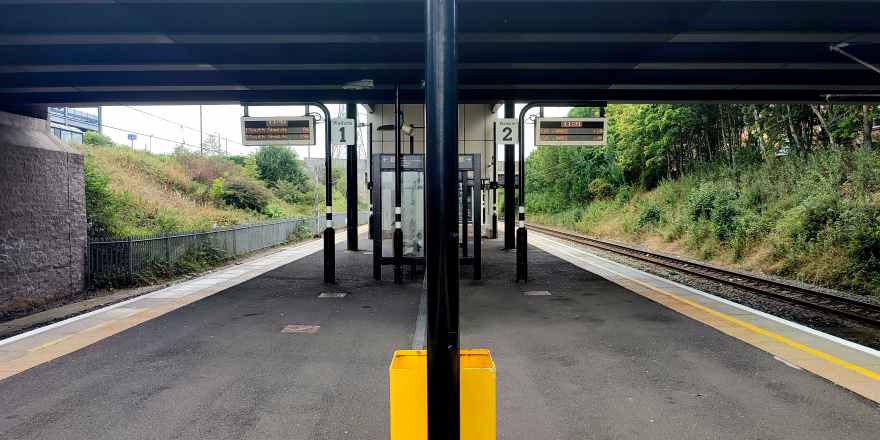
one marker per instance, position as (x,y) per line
(342,130)
(507,131)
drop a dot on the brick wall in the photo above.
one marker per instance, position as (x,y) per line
(42,216)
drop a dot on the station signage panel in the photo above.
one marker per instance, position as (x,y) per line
(507,131)
(298,130)
(570,131)
(342,131)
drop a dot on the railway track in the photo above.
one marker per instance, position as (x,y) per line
(863,312)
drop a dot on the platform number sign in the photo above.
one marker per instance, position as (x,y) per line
(342,131)
(507,131)
(570,131)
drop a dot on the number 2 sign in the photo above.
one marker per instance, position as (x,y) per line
(342,130)
(507,131)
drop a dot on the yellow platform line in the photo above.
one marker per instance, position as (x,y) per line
(764,332)
(751,327)
(83,338)
(66,337)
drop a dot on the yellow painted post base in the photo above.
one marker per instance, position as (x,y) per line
(409,395)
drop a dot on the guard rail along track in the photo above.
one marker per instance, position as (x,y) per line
(853,309)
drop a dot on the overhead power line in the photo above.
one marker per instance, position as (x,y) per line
(176,123)
(176,142)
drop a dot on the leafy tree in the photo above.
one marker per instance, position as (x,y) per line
(648,143)
(275,164)
(97,139)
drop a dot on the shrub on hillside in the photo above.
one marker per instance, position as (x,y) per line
(102,207)
(97,139)
(650,216)
(294,193)
(246,195)
(701,202)
(599,188)
(204,169)
(724,215)
(218,188)
(858,233)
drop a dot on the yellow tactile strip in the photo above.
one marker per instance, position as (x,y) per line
(34,348)
(862,379)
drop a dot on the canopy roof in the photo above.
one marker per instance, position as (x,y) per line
(262,51)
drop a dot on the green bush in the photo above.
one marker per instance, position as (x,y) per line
(273,211)
(724,216)
(97,139)
(294,193)
(300,233)
(701,202)
(246,195)
(649,216)
(218,188)
(819,212)
(858,232)
(599,188)
(104,209)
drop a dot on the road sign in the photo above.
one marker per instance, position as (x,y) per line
(132,136)
(299,130)
(570,131)
(507,131)
(342,131)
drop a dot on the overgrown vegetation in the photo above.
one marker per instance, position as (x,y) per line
(135,193)
(138,193)
(791,190)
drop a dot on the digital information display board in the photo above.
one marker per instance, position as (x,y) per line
(570,131)
(278,130)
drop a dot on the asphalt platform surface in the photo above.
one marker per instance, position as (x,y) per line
(590,361)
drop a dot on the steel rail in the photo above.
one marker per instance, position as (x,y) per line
(857,310)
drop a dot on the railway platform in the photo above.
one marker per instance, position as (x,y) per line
(586,349)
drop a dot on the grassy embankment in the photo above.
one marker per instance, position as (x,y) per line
(135,193)
(138,193)
(813,217)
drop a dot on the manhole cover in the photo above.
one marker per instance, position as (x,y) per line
(300,328)
(537,293)
(332,295)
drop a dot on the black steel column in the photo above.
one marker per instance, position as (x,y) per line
(329,232)
(509,186)
(494,185)
(351,192)
(398,232)
(370,180)
(441,238)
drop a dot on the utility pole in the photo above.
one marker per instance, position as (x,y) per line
(201,135)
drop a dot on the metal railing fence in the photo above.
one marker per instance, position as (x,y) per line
(118,260)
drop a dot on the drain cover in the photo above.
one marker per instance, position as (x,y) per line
(332,295)
(300,328)
(537,293)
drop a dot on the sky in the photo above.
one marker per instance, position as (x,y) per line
(170,125)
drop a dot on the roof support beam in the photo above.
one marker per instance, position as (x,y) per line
(505,38)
